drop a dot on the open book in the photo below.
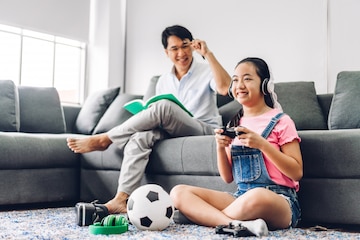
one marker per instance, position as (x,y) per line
(137,105)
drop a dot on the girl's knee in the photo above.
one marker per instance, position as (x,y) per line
(176,193)
(258,198)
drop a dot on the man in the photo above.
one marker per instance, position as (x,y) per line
(192,83)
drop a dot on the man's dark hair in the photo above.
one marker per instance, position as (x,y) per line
(176,30)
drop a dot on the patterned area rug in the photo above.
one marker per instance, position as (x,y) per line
(59,223)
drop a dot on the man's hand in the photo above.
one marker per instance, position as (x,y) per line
(200,47)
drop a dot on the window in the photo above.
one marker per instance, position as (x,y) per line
(42,60)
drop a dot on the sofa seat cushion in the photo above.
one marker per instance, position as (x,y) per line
(171,156)
(299,101)
(9,107)
(93,109)
(40,110)
(345,108)
(325,157)
(110,159)
(33,151)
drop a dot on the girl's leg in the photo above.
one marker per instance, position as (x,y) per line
(202,206)
(261,203)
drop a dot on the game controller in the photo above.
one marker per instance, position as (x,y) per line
(230,132)
(235,230)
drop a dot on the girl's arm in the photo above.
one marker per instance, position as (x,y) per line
(288,160)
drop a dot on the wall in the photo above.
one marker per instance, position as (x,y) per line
(303,40)
(344,38)
(65,18)
(307,40)
(106,45)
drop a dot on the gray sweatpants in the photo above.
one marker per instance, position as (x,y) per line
(138,134)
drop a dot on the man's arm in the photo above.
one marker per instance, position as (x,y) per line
(222,78)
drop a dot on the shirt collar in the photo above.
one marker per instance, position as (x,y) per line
(190,71)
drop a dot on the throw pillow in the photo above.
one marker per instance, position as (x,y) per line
(299,101)
(40,110)
(9,107)
(115,114)
(345,109)
(93,109)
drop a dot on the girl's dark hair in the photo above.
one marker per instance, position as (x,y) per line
(175,30)
(262,70)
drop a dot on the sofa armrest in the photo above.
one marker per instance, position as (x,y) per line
(70,113)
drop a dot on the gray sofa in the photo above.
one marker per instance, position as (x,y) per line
(38,168)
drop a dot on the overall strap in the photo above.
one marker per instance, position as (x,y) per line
(271,125)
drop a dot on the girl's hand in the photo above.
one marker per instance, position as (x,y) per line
(249,138)
(221,140)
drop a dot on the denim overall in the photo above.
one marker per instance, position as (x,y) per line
(250,172)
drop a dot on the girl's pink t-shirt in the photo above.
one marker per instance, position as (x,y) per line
(283,132)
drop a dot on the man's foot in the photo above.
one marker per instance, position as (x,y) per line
(118,203)
(98,142)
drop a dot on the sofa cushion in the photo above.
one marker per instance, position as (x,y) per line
(9,107)
(93,109)
(345,109)
(299,101)
(151,89)
(40,110)
(115,114)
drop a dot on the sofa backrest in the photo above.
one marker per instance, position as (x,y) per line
(40,110)
(345,108)
(30,109)
(9,107)
(325,101)
(298,99)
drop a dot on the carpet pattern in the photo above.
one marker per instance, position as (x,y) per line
(59,223)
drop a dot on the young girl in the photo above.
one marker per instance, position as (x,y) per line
(264,160)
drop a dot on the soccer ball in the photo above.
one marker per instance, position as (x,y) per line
(150,207)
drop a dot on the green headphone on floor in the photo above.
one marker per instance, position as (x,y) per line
(111,224)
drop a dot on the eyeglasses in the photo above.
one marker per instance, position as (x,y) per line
(184,47)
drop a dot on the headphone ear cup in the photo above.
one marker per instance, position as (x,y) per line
(265,86)
(108,220)
(113,220)
(120,220)
(111,224)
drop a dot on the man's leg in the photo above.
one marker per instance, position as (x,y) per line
(162,114)
(165,115)
(136,156)
(137,150)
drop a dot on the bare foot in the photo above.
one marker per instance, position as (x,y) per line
(117,204)
(98,142)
